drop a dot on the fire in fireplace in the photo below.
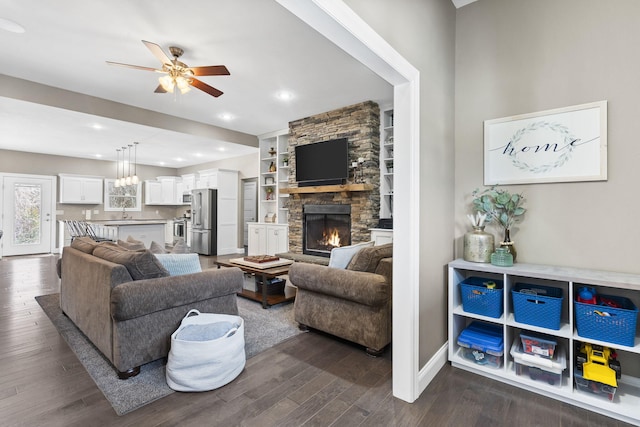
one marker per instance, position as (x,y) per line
(325,227)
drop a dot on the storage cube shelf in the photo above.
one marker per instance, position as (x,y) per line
(566,281)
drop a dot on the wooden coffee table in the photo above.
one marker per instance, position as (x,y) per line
(266,272)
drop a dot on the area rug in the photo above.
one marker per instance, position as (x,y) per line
(263,329)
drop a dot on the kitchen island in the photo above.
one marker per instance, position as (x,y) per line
(145,230)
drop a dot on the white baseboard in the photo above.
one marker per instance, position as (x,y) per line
(432,367)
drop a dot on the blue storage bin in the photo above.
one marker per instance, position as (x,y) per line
(478,298)
(483,344)
(537,305)
(609,324)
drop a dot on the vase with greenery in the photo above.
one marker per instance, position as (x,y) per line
(501,207)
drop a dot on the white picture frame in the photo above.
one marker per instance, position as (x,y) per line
(559,145)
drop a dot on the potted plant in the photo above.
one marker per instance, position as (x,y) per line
(501,207)
(285,161)
(269,191)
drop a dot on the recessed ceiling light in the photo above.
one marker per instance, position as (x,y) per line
(11,26)
(99,156)
(284,95)
(161,163)
(226,116)
(97,126)
(198,154)
(179,159)
(222,149)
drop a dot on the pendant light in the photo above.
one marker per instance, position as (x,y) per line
(117,183)
(128,179)
(134,178)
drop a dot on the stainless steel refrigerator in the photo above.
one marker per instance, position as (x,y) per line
(204,221)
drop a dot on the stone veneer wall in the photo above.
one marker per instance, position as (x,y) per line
(360,124)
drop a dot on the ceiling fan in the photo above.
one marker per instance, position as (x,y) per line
(178,73)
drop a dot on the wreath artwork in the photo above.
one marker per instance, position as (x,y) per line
(556,127)
(562,145)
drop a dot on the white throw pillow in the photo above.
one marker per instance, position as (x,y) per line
(179,264)
(341,256)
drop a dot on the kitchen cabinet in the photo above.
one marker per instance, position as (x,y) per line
(626,400)
(188,183)
(164,190)
(381,236)
(80,189)
(267,238)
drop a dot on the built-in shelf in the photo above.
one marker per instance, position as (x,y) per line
(346,188)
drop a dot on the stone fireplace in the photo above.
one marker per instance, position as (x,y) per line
(360,124)
(325,227)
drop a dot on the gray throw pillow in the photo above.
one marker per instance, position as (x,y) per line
(140,264)
(180,247)
(132,246)
(157,248)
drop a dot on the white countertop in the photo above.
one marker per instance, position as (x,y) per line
(129,221)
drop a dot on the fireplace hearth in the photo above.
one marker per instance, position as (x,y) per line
(325,227)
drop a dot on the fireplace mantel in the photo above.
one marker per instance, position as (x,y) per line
(345,189)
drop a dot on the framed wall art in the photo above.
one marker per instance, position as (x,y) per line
(560,145)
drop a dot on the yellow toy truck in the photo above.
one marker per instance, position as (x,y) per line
(598,363)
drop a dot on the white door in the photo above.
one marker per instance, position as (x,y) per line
(249,205)
(27,220)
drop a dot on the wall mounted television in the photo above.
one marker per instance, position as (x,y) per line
(322,163)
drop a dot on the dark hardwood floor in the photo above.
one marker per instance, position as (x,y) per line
(310,380)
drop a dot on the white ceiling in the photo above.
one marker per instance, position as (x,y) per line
(266,49)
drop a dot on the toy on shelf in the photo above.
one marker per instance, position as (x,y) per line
(599,367)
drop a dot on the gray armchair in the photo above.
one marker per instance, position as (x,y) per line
(352,303)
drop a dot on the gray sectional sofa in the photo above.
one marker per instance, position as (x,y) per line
(128,305)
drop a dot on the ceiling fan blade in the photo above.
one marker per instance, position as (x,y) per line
(211,70)
(157,52)
(160,89)
(136,67)
(205,87)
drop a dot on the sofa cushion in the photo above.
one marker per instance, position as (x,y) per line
(340,257)
(130,239)
(180,247)
(179,264)
(157,248)
(132,246)
(141,264)
(368,258)
(84,244)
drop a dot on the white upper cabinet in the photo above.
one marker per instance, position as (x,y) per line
(165,190)
(80,189)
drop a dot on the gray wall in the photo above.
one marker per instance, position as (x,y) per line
(518,56)
(423,31)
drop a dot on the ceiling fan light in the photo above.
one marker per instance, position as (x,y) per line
(167,83)
(183,84)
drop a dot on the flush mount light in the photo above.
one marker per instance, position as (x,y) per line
(284,95)
(11,26)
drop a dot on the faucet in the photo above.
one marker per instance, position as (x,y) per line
(124,213)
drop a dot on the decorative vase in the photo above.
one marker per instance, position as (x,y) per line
(478,245)
(508,244)
(502,257)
